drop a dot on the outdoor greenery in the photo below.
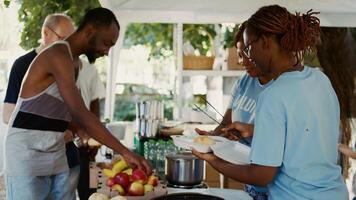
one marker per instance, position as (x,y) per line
(229,36)
(159,37)
(33,12)
(7,3)
(200,36)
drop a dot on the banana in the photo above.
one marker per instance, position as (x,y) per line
(119,166)
(109,173)
(128,171)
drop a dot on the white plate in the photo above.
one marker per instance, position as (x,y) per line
(233,152)
(187,142)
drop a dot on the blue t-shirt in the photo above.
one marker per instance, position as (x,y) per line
(297,130)
(243,106)
(18,71)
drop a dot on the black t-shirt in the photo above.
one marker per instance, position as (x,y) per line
(18,71)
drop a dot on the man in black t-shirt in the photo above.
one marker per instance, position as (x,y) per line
(55,27)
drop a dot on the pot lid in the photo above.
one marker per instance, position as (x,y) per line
(184,155)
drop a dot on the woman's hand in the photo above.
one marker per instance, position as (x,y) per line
(227,134)
(202,132)
(209,157)
(343,148)
(244,130)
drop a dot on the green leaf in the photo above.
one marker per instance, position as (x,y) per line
(33,12)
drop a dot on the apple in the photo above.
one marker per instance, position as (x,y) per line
(152,180)
(110,182)
(147,188)
(139,175)
(119,188)
(136,189)
(122,179)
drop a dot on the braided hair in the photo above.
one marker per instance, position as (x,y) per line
(296,33)
(239,33)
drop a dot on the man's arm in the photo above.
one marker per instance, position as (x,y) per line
(63,71)
(250,174)
(7,111)
(95,108)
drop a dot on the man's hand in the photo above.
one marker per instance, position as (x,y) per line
(68,136)
(84,137)
(134,160)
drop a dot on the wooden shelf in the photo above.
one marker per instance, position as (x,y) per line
(227,73)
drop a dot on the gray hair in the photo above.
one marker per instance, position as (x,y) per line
(53,20)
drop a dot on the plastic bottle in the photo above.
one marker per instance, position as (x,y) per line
(160,164)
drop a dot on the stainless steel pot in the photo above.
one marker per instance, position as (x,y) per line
(183,168)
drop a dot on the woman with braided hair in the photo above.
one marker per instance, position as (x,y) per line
(295,136)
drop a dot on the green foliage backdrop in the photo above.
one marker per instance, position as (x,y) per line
(33,12)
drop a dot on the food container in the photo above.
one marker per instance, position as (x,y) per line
(183,168)
(187,142)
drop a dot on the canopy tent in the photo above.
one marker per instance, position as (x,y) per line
(333,13)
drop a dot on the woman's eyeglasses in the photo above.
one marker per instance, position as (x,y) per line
(59,36)
(247,48)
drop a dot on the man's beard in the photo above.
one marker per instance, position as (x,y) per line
(91,52)
(91,56)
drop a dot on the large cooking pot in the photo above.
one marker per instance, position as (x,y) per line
(183,168)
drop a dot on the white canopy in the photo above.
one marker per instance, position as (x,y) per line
(333,13)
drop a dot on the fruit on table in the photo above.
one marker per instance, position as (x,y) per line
(139,175)
(147,188)
(119,166)
(98,196)
(122,179)
(204,140)
(136,189)
(128,181)
(128,171)
(119,188)
(110,182)
(109,173)
(152,180)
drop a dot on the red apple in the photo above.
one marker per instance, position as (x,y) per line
(110,182)
(139,175)
(152,180)
(122,179)
(136,189)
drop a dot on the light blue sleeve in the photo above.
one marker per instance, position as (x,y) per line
(269,133)
(235,90)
